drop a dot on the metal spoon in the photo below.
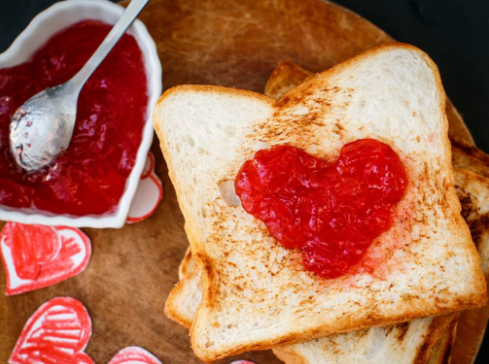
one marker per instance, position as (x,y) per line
(42,127)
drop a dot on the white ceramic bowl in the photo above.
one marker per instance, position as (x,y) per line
(42,27)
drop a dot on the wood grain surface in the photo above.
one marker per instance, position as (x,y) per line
(234,43)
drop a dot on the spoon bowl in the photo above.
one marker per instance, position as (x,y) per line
(42,127)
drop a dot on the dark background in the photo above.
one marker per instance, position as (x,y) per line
(455,33)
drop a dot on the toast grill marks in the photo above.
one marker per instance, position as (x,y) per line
(421,304)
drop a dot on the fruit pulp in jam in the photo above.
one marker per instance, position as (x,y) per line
(90,177)
(331,211)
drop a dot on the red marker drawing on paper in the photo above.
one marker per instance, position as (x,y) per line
(134,355)
(148,194)
(57,333)
(37,256)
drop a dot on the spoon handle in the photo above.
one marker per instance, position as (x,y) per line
(130,14)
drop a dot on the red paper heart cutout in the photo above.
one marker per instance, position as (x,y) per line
(149,167)
(134,355)
(331,211)
(57,333)
(37,256)
(148,194)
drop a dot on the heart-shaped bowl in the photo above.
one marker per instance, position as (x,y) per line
(43,27)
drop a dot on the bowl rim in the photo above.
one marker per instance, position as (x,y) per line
(20,50)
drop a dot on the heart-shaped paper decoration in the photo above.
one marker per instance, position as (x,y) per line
(134,355)
(148,195)
(36,256)
(149,167)
(57,333)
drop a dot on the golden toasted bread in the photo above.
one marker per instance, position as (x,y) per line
(430,266)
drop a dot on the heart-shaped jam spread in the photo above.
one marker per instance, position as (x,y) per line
(331,211)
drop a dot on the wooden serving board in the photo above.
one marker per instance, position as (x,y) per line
(132,270)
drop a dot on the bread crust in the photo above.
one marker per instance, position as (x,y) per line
(214,89)
(442,351)
(284,77)
(172,309)
(173,313)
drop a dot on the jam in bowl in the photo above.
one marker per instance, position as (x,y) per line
(93,182)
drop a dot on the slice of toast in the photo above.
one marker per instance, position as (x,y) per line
(429,265)
(183,301)
(411,342)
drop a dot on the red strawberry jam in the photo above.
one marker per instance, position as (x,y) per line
(90,177)
(331,211)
